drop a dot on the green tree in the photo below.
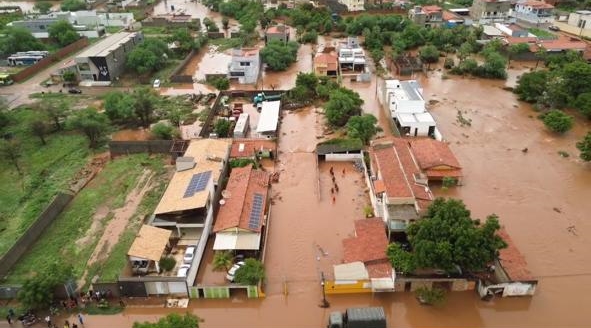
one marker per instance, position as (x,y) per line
(63,32)
(583,104)
(220,83)
(494,66)
(531,86)
(402,261)
(225,22)
(11,151)
(56,111)
(250,273)
(341,105)
(429,54)
(222,128)
(43,7)
(585,147)
(278,55)
(163,131)
(119,107)
(222,260)
(18,39)
(92,124)
(464,51)
(308,81)
(167,263)
(517,49)
(69,76)
(172,320)
(143,106)
(576,77)
(39,128)
(149,56)
(362,127)
(184,38)
(557,121)
(430,296)
(447,236)
(73,5)
(37,292)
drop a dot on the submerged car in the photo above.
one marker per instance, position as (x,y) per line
(232,271)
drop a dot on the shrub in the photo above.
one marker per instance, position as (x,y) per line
(557,121)
(163,131)
(167,263)
(430,296)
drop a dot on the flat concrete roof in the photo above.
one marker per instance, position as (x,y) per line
(105,46)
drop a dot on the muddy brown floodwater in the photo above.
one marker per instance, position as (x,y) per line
(541,198)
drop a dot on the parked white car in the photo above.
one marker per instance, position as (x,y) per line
(183,270)
(232,271)
(189,254)
(157,83)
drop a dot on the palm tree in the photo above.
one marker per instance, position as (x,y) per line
(222,260)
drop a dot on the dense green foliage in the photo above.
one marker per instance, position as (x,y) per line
(43,7)
(342,104)
(250,273)
(278,55)
(94,125)
(557,121)
(167,263)
(163,131)
(222,260)
(447,237)
(37,291)
(17,39)
(149,56)
(531,86)
(430,296)
(220,83)
(73,5)
(63,32)
(362,127)
(585,147)
(172,320)
(222,128)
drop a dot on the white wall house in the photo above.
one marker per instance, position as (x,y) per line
(534,12)
(406,106)
(580,19)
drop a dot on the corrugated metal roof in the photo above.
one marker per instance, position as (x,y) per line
(366,314)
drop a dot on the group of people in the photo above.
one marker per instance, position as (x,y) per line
(50,324)
(335,188)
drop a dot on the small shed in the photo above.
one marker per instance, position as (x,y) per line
(242,125)
(148,247)
(269,119)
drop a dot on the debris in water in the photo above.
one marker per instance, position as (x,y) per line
(557,210)
(572,229)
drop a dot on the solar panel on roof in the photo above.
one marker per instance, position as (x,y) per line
(198,183)
(256,211)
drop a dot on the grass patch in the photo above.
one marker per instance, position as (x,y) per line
(540,33)
(345,143)
(224,44)
(164,73)
(154,30)
(47,170)
(59,242)
(113,29)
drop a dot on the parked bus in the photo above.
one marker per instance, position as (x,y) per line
(5,79)
(23,60)
(41,53)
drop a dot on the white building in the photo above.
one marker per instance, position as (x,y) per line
(534,12)
(352,60)
(354,5)
(242,124)
(406,106)
(580,19)
(245,65)
(269,119)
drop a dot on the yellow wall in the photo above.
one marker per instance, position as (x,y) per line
(361,286)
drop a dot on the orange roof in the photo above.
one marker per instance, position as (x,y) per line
(242,186)
(448,15)
(379,186)
(512,260)
(563,43)
(431,153)
(537,4)
(391,172)
(379,269)
(369,243)
(250,147)
(516,40)
(328,59)
(431,9)
(411,169)
(278,29)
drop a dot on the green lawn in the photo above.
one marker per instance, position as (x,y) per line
(540,33)
(47,169)
(62,242)
(224,44)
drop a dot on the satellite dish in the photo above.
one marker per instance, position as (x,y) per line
(222,202)
(226,194)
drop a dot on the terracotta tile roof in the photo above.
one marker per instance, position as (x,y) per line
(512,260)
(379,269)
(517,40)
(391,172)
(411,169)
(563,43)
(537,4)
(251,146)
(328,59)
(242,185)
(431,9)
(369,243)
(430,154)
(448,15)
(379,186)
(278,29)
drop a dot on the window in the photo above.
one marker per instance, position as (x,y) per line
(41,27)
(244,63)
(83,67)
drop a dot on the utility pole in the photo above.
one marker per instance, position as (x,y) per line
(324,303)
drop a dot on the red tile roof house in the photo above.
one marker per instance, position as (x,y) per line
(435,159)
(241,218)
(248,148)
(368,246)
(277,32)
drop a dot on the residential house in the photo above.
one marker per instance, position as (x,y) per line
(560,45)
(510,274)
(534,12)
(581,19)
(435,159)
(269,119)
(354,5)
(406,106)
(191,197)
(173,21)
(399,190)
(277,32)
(39,28)
(326,64)
(147,249)
(451,19)
(490,11)
(512,30)
(490,32)
(245,65)
(428,16)
(241,220)
(351,57)
(251,148)
(366,267)
(105,60)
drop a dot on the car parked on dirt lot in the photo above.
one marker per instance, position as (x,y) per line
(74,91)
(232,271)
